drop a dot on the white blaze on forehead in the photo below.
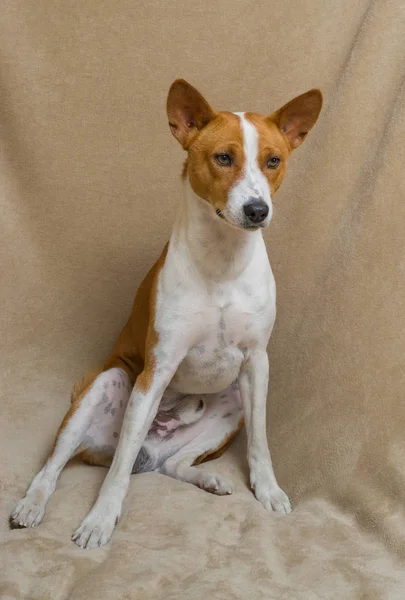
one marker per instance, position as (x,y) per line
(253,183)
(250,136)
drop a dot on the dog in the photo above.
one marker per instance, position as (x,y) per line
(190,367)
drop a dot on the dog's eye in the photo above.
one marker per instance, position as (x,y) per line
(224,160)
(273,162)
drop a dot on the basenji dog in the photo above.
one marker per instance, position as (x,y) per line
(190,366)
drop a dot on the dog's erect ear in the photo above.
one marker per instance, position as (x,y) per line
(298,116)
(187,111)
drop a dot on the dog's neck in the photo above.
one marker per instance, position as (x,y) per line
(217,250)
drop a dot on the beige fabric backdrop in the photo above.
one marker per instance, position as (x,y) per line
(89,187)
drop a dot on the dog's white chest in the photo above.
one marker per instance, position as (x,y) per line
(225,323)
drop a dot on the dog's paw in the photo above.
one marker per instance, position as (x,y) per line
(215,484)
(96,528)
(268,492)
(28,513)
(273,498)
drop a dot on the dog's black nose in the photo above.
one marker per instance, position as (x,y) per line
(256,210)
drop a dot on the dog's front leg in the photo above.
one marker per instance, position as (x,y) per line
(98,525)
(253,383)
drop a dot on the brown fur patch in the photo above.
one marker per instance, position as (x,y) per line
(210,181)
(134,350)
(98,459)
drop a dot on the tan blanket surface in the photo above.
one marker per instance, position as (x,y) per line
(89,183)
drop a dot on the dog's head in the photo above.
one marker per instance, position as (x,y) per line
(237,161)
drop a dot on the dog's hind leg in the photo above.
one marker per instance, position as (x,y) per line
(205,440)
(90,394)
